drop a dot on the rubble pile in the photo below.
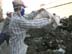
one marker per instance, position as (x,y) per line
(51,41)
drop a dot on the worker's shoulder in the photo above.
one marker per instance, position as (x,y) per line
(16,19)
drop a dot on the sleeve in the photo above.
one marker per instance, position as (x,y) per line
(6,23)
(35,23)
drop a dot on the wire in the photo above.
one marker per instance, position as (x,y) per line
(48,3)
(59,5)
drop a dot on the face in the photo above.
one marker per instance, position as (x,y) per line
(17,8)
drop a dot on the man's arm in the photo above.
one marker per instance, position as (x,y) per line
(6,23)
(36,23)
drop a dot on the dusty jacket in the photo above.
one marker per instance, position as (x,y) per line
(17,30)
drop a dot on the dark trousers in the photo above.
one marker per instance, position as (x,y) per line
(4,37)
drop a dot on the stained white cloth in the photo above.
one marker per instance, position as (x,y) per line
(57,19)
(17,30)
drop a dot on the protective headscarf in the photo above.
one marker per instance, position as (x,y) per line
(22,11)
(17,3)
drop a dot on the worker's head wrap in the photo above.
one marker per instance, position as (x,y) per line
(17,4)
